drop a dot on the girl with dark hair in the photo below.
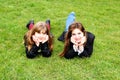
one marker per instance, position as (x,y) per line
(78,42)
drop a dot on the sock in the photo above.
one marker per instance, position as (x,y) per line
(31,26)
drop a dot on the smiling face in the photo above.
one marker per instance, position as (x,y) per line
(40,35)
(39,31)
(77,35)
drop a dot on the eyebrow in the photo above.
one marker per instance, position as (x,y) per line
(73,33)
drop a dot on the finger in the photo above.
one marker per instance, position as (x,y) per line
(37,44)
(34,39)
(72,40)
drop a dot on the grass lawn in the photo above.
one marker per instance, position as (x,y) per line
(101,17)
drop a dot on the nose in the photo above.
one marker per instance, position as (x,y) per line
(77,37)
(41,35)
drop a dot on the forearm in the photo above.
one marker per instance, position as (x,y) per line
(88,49)
(84,54)
(45,50)
(70,54)
(30,55)
(87,52)
(32,52)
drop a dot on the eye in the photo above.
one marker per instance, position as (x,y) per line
(36,33)
(79,33)
(73,34)
(43,33)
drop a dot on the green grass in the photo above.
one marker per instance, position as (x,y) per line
(102,17)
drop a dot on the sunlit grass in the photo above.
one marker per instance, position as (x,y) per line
(99,17)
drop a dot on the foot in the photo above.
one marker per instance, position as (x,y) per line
(48,24)
(62,36)
(30,24)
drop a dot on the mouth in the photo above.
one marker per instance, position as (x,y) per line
(40,38)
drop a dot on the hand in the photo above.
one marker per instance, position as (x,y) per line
(83,40)
(80,49)
(73,40)
(75,47)
(36,40)
(45,38)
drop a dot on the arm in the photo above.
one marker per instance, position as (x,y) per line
(88,49)
(45,50)
(32,52)
(70,53)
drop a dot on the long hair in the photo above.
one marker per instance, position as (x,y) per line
(68,35)
(38,27)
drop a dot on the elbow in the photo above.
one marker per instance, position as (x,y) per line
(68,57)
(30,56)
(46,54)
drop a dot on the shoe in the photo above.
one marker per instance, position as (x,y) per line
(62,36)
(48,24)
(30,24)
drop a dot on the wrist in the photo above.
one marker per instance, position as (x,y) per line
(80,50)
(37,44)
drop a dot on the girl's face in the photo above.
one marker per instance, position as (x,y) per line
(40,35)
(77,35)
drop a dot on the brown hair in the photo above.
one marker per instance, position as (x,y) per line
(73,26)
(39,26)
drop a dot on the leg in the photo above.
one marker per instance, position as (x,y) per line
(69,21)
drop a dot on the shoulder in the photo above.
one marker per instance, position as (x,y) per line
(90,36)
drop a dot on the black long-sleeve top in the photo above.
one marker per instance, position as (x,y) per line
(88,48)
(41,49)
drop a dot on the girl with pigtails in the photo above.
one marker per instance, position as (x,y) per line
(38,40)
